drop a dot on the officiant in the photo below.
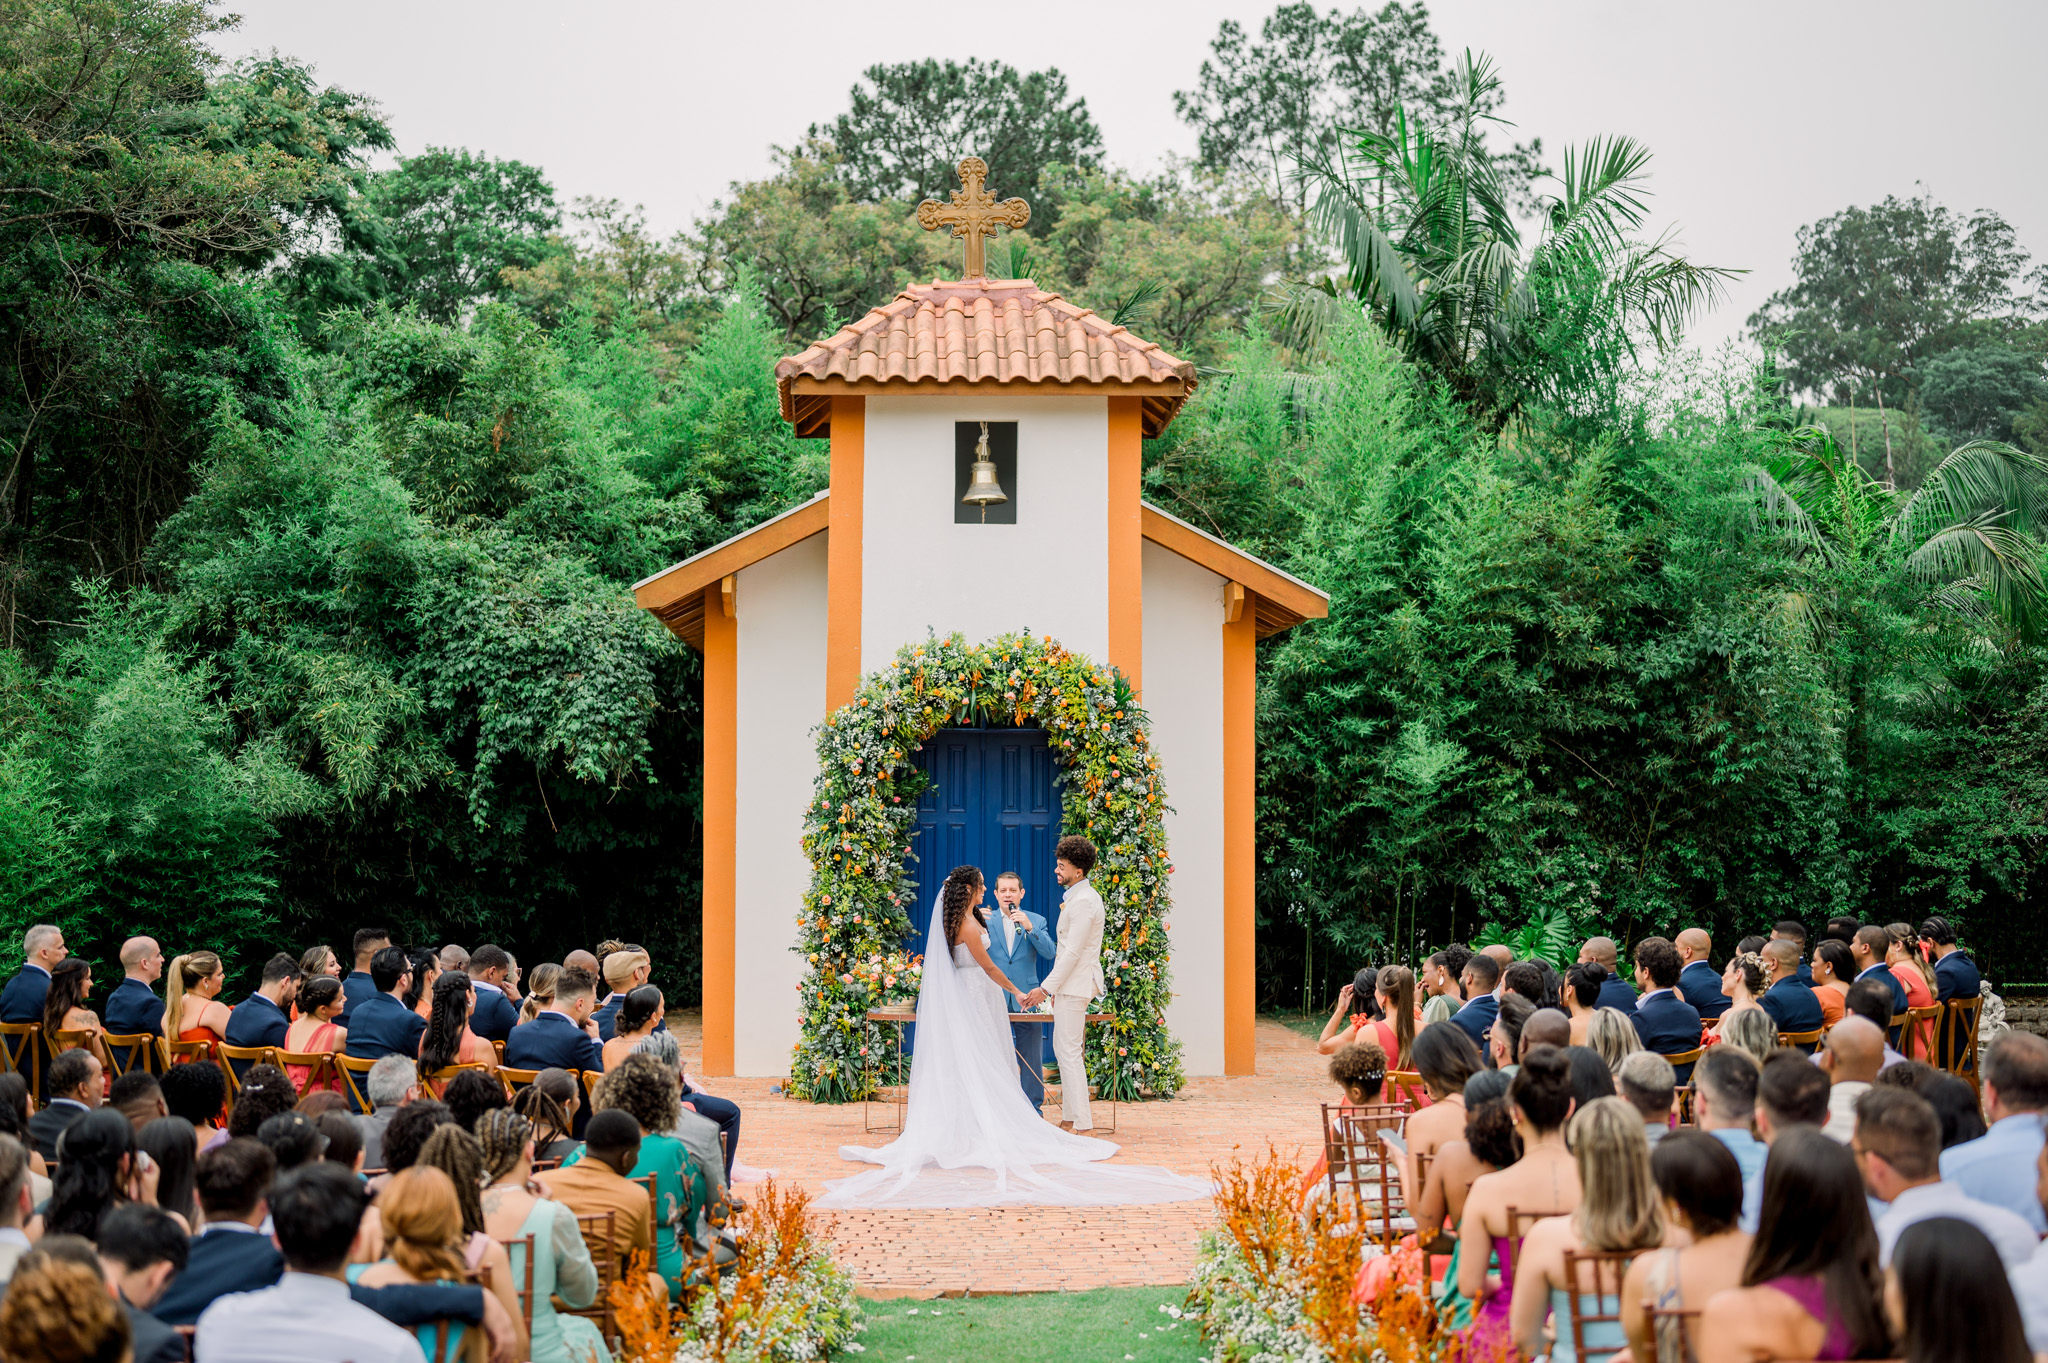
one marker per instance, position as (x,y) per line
(1021,948)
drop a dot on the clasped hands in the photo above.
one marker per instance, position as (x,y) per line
(1026,1002)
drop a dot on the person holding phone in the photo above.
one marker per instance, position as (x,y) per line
(1021,947)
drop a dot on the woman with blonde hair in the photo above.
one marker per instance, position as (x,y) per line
(422,1224)
(540,990)
(192,1007)
(458,1154)
(1752,1030)
(1904,959)
(1620,1209)
(1744,982)
(1612,1036)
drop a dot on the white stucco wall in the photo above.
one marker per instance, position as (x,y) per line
(1183,695)
(920,571)
(780,608)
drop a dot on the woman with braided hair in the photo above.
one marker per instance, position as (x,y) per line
(970,1136)
(515,1207)
(457,1154)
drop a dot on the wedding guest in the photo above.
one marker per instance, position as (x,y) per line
(1650,1085)
(1394,991)
(1698,981)
(64,1009)
(1665,1022)
(471,1094)
(1724,1104)
(139,1096)
(394,1081)
(1954,1102)
(1871,1000)
(540,992)
(1591,1079)
(1790,1093)
(230,1254)
(639,1013)
(1701,1185)
(197,1093)
(448,1039)
(495,1014)
(644,1089)
(1811,1284)
(624,971)
(49,1301)
(173,1147)
(1788,998)
(1504,1038)
(384,1024)
(1619,1211)
(1615,993)
(1793,931)
(561,1265)
(1852,1052)
(97,1170)
(265,1091)
(1834,969)
(458,1154)
(42,947)
(421,1221)
(1544,1027)
(550,1105)
(582,960)
(317,961)
(1440,983)
(1898,1150)
(2029,1280)
(1582,985)
(1869,948)
(360,985)
(1955,977)
(596,1179)
(1612,1036)
(1752,945)
(1488,1145)
(1742,983)
(73,1083)
(320,1102)
(1482,973)
(1544,1179)
(1446,1057)
(344,1140)
(1916,977)
(558,1036)
(1998,1166)
(317,1031)
(265,1017)
(1945,1298)
(454,957)
(1751,1030)
(1522,977)
(192,1007)
(418,993)
(17,1205)
(294,1139)
(1351,1012)
(410,1127)
(1841,928)
(133,1009)
(140,1249)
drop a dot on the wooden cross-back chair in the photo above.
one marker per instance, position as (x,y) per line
(21,1050)
(1358,1164)
(591,1079)
(235,1061)
(520,1253)
(1519,1222)
(436,1084)
(1958,1040)
(1805,1041)
(1917,1041)
(598,1229)
(320,1070)
(1686,1094)
(1684,1323)
(355,1079)
(182,1052)
(516,1080)
(1406,1086)
(1590,1275)
(130,1049)
(1683,1062)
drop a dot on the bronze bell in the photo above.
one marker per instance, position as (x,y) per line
(982,487)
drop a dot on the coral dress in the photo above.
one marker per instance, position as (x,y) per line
(321,1039)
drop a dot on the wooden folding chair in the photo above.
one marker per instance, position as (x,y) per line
(1444,1241)
(436,1083)
(59,1042)
(1683,1062)
(591,1079)
(1519,1222)
(319,1066)
(1589,1274)
(1406,1086)
(182,1052)
(597,1228)
(1805,1041)
(520,1252)
(1686,1116)
(1687,1322)
(1959,1039)
(516,1080)
(236,1060)
(349,1067)
(1917,1043)
(1358,1162)
(21,1050)
(129,1050)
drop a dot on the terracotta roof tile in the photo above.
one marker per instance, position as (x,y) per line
(976,332)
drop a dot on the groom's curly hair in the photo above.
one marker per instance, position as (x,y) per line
(954,897)
(1077,852)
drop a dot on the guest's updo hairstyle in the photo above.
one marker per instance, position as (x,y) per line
(640,1007)
(1584,980)
(1751,965)
(319,991)
(1542,1087)
(422,1219)
(1489,1123)
(1362,1065)
(954,896)
(184,976)
(1446,1058)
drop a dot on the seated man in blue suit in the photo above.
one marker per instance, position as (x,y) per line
(1482,973)
(42,948)
(383,1025)
(1615,993)
(1699,983)
(358,986)
(1665,1023)
(1869,947)
(265,1016)
(1021,947)
(1793,931)
(133,1009)
(1955,974)
(562,1036)
(1788,1000)
(493,1015)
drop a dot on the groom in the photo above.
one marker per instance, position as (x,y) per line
(1075,977)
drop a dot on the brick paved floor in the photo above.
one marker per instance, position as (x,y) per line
(1036,1249)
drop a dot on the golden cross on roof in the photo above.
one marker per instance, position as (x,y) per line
(973,214)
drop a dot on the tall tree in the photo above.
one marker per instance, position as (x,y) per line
(1882,289)
(910,123)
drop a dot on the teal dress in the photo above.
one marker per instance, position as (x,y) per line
(675,1176)
(446,1333)
(561,1266)
(1603,1337)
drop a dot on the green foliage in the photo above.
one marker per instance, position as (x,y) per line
(1980,392)
(909,124)
(1550,936)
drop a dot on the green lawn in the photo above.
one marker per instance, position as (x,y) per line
(1107,1325)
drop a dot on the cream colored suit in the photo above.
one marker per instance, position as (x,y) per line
(1075,978)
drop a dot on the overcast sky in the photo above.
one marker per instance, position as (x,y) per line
(1762,114)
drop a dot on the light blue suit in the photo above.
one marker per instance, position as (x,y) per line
(1023,964)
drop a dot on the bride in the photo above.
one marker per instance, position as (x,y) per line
(971,1138)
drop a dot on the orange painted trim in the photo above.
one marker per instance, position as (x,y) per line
(689,577)
(843,551)
(1240,792)
(893,387)
(1126,539)
(721,849)
(1234,564)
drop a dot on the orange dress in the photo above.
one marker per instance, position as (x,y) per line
(1831,1005)
(1918,995)
(198,1034)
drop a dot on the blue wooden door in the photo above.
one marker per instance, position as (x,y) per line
(994,803)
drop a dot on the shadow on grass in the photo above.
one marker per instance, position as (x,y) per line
(1106,1325)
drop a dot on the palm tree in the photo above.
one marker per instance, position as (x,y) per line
(1423,223)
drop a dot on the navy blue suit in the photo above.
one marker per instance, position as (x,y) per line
(228,1261)
(550,1042)
(384,1026)
(356,987)
(494,1016)
(255,1021)
(1882,973)
(22,999)
(1020,965)
(606,1017)
(1668,1025)
(1477,1018)
(132,1009)
(1794,1008)
(1956,977)
(1700,983)
(1617,993)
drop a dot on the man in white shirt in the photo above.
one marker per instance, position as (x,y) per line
(2030,1279)
(1898,1151)
(308,1317)
(1855,1051)
(1998,1166)
(1075,977)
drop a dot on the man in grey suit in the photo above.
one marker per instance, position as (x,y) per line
(1017,944)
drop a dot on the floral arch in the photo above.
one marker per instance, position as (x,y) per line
(857,834)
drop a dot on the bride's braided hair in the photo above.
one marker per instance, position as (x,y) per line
(954,897)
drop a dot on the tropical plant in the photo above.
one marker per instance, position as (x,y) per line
(1549,936)
(1424,226)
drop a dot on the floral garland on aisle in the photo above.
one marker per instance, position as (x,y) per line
(857,834)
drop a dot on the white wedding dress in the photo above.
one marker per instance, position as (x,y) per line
(971,1138)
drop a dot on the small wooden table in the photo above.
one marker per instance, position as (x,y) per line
(899,1020)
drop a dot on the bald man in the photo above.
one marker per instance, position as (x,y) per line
(1789,1001)
(1698,982)
(133,1009)
(1615,993)
(1854,1054)
(1545,1027)
(582,958)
